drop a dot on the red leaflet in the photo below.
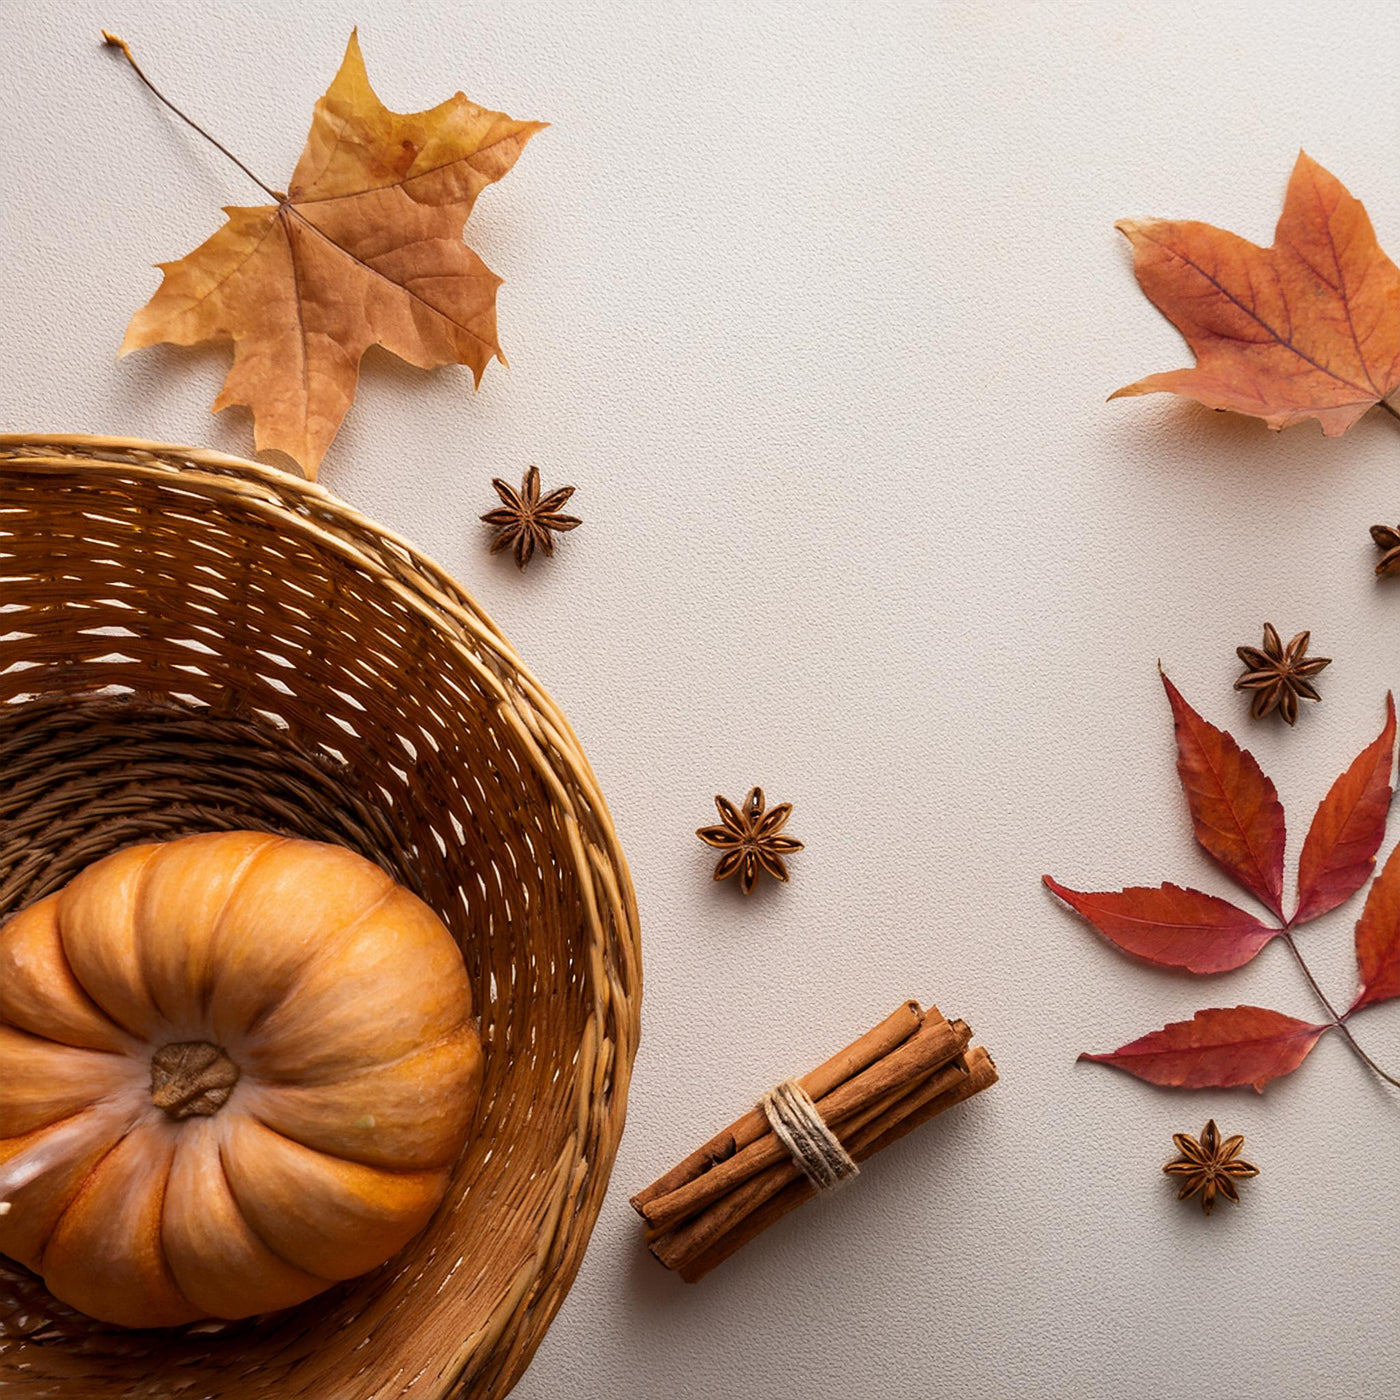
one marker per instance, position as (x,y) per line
(1378,938)
(1173,927)
(1234,807)
(1218,1049)
(1340,852)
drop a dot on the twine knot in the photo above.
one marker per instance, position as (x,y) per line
(799,1126)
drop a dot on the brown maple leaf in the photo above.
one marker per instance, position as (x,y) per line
(365,248)
(1309,328)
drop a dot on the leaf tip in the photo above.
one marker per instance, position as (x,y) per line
(354,57)
(1060,891)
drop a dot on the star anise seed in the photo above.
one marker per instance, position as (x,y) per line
(1209,1166)
(1278,675)
(527,521)
(1387,539)
(751,839)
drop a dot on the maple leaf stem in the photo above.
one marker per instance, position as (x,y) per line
(1337,1020)
(1390,408)
(113,41)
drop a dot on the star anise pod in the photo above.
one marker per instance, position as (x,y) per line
(1387,539)
(526,520)
(1279,674)
(1209,1166)
(751,839)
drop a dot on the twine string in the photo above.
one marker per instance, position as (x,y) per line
(799,1126)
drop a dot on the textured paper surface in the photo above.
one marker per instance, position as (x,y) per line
(818,305)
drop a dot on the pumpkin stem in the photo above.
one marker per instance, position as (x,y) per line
(192,1078)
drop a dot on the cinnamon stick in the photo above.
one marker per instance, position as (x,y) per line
(981,1074)
(874,1045)
(670,1244)
(932,1045)
(908,1069)
(698,1233)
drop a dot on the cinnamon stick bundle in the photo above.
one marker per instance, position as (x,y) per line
(908,1069)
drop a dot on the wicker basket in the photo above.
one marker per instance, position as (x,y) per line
(192,642)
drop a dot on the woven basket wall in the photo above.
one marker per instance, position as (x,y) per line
(192,642)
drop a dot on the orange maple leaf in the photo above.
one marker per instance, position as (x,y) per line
(1309,328)
(364,249)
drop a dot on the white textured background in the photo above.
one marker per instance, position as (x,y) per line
(818,304)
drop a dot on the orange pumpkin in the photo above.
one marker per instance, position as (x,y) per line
(233,1069)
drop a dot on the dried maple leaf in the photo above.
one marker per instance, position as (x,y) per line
(1239,821)
(365,248)
(1309,328)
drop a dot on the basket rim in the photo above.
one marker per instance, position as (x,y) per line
(447,593)
(418,582)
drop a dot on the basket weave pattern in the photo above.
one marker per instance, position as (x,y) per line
(190,642)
